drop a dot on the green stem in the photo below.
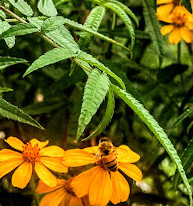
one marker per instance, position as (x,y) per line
(179,53)
(33,189)
(114,21)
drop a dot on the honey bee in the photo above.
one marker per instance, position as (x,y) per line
(106,155)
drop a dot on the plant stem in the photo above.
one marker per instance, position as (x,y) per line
(179,53)
(33,189)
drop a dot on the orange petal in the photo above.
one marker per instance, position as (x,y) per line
(45,175)
(22,175)
(175,36)
(15,143)
(40,144)
(9,165)
(92,150)
(166,29)
(100,190)
(54,164)
(52,151)
(53,198)
(131,170)
(75,201)
(7,154)
(77,157)
(190,25)
(164,13)
(125,154)
(121,188)
(186,34)
(82,182)
(43,188)
(164,2)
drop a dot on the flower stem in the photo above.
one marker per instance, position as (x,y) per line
(179,53)
(33,189)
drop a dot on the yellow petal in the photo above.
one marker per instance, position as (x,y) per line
(9,165)
(101,188)
(186,34)
(75,201)
(125,154)
(54,163)
(164,13)
(175,36)
(15,143)
(22,175)
(164,2)
(53,198)
(77,157)
(190,25)
(166,29)
(43,188)
(7,154)
(52,151)
(40,144)
(45,175)
(121,188)
(92,150)
(131,170)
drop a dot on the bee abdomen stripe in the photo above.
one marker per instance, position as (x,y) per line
(110,162)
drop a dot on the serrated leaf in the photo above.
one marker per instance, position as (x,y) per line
(36,22)
(152,26)
(47,8)
(22,6)
(51,57)
(94,62)
(2,14)
(12,112)
(5,89)
(18,30)
(153,125)
(107,116)
(122,14)
(8,61)
(95,91)
(187,4)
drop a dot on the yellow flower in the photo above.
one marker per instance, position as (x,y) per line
(181,24)
(34,155)
(100,184)
(61,195)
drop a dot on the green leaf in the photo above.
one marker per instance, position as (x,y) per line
(22,6)
(5,89)
(94,62)
(8,61)
(51,57)
(20,29)
(94,93)
(187,160)
(107,117)
(187,5)
(10,41)
(36,22)
(123,15)
(2,14)
(148,119)
(152,26)
(47,8)
(12,112)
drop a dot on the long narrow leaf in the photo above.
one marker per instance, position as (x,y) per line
(8,61)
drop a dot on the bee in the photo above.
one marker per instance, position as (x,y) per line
(106,154)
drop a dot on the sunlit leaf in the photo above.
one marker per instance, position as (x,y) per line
(5,89)
(47,7)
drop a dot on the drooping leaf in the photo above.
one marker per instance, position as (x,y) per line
(94,62)
(187,5)
(107,116)
(2,14)
(22,6)
(5,89)
(51,57)
(12,112)
(8,61)
(47,8)
(153,125)
(18,30)
(94,93)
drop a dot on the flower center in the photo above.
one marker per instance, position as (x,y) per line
(68,188)
(31,153)
(179,21)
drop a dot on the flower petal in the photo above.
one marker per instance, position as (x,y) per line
(131,170)
(166,29)
(92,150)
(45,175)
(101,188)
(164,13)
(40,144)
(125,154)
(22,175)
(77,157)
(164,2)
(15,143)
(9,165)
(54,163)
(186,34)
(75,201)
(175,36)
(121,188)
(8,154)
(52,151)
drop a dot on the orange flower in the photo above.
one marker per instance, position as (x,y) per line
(181,22)
(61,195)
(100,184)
(34,155)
